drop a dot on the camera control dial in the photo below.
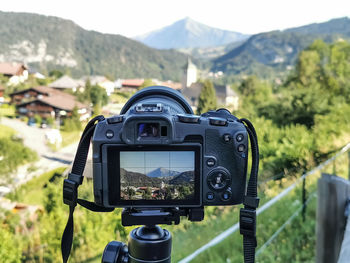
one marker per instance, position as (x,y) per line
(218,179)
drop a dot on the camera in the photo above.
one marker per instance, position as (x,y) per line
(158,153)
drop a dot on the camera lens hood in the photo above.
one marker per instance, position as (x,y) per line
(158,91)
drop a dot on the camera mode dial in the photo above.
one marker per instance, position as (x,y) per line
(218,179)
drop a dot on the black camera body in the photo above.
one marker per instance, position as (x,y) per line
(157,153)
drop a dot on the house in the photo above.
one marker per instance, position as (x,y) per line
(67,83)
(47,102)
(2,91)
(131,85)
(101,81)
(16,72)
(224,94)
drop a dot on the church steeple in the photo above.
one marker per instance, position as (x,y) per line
(189,74)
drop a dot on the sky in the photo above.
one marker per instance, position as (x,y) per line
(135,17)
(145,162)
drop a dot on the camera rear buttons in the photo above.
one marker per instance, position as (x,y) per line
(227,137)
(210,196)
(239,137)
(109,134)
(218,179)
(226,195)
(241,148)
(211,162)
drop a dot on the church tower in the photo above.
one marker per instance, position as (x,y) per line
(189,74)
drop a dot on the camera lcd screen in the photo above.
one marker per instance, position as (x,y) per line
(157,175)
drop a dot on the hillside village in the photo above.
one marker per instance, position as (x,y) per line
(32,93)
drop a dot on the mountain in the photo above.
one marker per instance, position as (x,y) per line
(187,33)
(129,178)
(47,43)
(267,54)
(162,172)
(183,178)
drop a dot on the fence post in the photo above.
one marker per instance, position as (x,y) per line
(332,194)
(303,211)
(349,165)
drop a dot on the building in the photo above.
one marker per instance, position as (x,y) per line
(67,83)
(224,94)
(189,74)
(47,102)
(100,81)
(16,72)
(131,85)
(2,91)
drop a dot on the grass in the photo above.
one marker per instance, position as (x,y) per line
(32,192)
(7,110)
(6,132)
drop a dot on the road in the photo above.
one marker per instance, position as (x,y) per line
(34,138)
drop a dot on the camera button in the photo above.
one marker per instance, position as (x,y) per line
(217,121)
(241,148)
(226,195)
(227,137)
(211,162)
(187,118)
(239,137)
(115,119)
(109,134)
(210,196)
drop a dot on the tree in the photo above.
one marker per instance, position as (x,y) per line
(147,83)
(207,98)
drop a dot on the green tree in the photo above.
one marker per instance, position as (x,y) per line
(147,83)
(207,98)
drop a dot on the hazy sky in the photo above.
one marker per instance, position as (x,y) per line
(134,17)
(145,162)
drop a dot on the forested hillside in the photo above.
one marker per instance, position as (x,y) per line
(48,43)
(274,53)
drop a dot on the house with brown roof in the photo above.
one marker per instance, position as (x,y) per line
(16,72)
(131,84)
(47,102)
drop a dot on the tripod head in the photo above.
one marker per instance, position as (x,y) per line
(154,216)
(149,243)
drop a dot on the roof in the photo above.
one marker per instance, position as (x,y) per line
(64,82)
(13,68)
(133,82)
(54,98)
(170,84)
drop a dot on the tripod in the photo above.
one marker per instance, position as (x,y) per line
(149,243)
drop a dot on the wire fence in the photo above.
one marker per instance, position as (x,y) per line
(221,237)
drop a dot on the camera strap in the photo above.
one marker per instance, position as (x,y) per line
(247,218)
(71,184)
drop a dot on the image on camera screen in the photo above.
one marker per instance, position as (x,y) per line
(157,175)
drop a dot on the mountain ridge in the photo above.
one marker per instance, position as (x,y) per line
(48,42)
(188,33)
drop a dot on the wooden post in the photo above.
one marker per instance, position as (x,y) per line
(332,194)
(349,165)
(303,197)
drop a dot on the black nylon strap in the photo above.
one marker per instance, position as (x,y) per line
(251,200)
(71,184)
